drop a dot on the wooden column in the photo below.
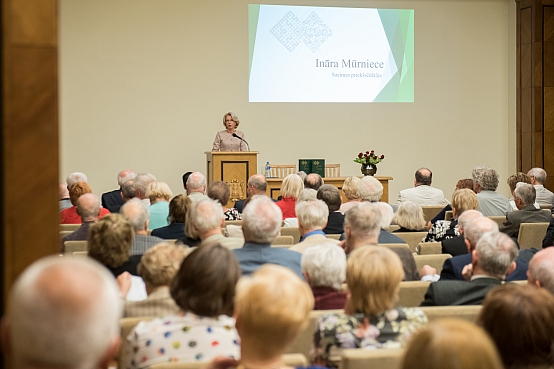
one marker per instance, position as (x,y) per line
(535,86)
(29,135)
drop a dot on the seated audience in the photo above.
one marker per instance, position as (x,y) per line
(512,182)
(207,220)
(109,243)
(204,289)
(62,313)
(69,215)
(136,212)
(185,179)
(290,190)
(157,268)
(159,194)
(370,320)
(520,321)
(538,177)
(178,208)
(141,183)
(196,186)
(462,200)
(306,195)
(113,200)
(548,239)
(457,245)
(422,193)
(462,183)
(493,258)
(385,220)
(191,236)
(261,224)
(409,216)
(88,208)
(128,191)
(370,189)
(541,270)
(257,185)
(65,201)
(313,180)
(75,177)
(331,196)
(219,191)
(350,191)
(451,344)
(485,183)
(324,268)
(312,218)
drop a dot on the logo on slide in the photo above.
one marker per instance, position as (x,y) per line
(290,31)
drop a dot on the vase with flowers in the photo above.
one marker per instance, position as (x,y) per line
(369,162)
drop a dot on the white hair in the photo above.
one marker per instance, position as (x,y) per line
(63,312)
(207,215)
(312,214)
(76,177)
(370,189)
(467,217)
(538,173)
(386,214)
(141,182)
(325,264)
(261,220)
(122,179)
(364,220)
(196,181)
(496,252)
(474,230)
(306,195)
(136,212)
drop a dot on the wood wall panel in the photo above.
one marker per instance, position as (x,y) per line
(548,105)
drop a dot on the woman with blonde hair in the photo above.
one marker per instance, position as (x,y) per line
(230,139)
(409,216)
(370,320)
(159,194)
(350,191)
(290,190)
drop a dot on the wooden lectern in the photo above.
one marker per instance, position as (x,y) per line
(234,168)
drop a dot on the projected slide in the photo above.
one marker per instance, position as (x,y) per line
(325,54)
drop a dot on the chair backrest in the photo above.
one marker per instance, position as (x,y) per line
(468,312)
(448,215)
(126,326)
(374,359)
(531,235)
(72,246)
(65,233)
(397,245)
(429,248)
(335,236)
(291,231)
(293,360)
(498,219)
(80,253)
(412,238)
(283,240)
(412,293)
(429,212)
(233,222)
(545,206)
(305,340)
(393,227)
(436,261)
(332,170)
(282,170)
(69,227)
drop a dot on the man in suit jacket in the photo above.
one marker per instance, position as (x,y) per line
(312,218)
(457,246)
(113,200)
(538,177)
(422,193)
(207,219)
(493,258)
(524,197)
(331,196)
(541,270)
(261,224)
(257,185)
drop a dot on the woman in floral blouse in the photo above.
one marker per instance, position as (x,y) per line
(373,275)
(220,192)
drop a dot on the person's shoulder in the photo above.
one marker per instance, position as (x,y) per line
(410,313)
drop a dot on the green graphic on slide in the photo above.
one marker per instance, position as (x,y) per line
(253,13)
(399,28)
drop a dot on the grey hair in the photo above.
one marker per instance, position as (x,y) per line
(258,182)
(261,220)
(370,189)
(386,214)
(76,177)
(467,217)
(307,194)
(410,216)
(88,212)
(325,264)
(485,177)
(130,175)
(136,212)
(475,229)
(543,271)
(207,214)
(526,193)
(312,214)
(141,182)
(538,173)
(71,329)
(364,220)
(196,181)
(496,253)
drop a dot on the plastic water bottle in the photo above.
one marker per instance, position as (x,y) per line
(267,170)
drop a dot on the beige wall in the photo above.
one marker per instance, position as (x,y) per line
(144,85)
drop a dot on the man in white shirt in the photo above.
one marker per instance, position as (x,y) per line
(538,177)
(422,193)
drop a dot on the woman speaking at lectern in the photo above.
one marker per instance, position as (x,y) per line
(230,139)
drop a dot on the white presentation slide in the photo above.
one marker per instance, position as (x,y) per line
(329,54)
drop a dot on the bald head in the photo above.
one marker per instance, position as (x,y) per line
(124,176)
(88,207)
(63,313)
(257,185)
(541,270)
(136,212)
(313,180)
(63,191)
(474,230)
(423,176)
(467,217)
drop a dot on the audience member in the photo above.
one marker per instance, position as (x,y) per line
(520,321)
(178,208)
(493,258)
(290,190)
(370,320)
(136,212)
(331,196)
(350,191)
(324,268)
(70,215)
(196,186)
(307,194)
(75,177)
(128,191)
(370,189)
(113,200)
(409,216)
(538,177)
(63,191)
(208,219)
(261,224)
(451,344)
(512,182)
(548,239)
(185,179)
(220,192)
(385,210)
(157,268)
(422,193)
(462,183)
(485,183)
(257,185)
(88,208)
(524,197)
(159,194)
(302,175)
(62,313)
(457,245)
(141,182)
(204,289)
(362,225)
(313,180)
(312,218)
(109,243)
(541,270)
